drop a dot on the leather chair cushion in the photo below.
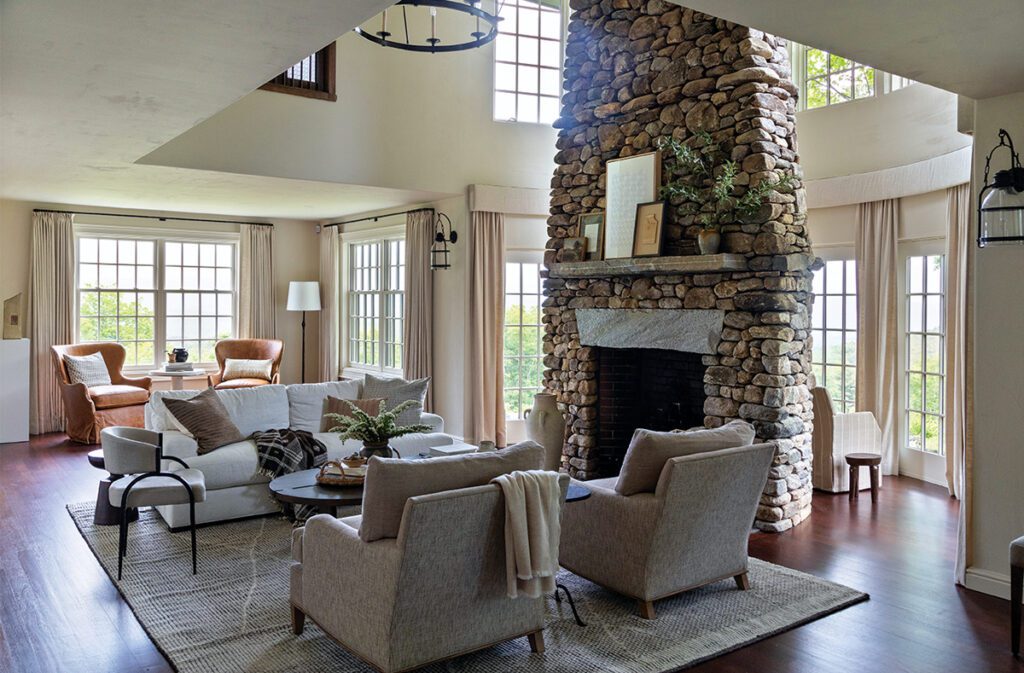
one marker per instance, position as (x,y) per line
(111,396)
(241,383)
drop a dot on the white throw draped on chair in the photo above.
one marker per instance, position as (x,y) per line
(256,303)
(485,405)
(52,304)
(877,338)
(330,311)
(418,327)
(533,503)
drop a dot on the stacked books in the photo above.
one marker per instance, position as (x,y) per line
(178,367)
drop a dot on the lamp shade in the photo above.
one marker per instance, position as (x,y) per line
(304,295)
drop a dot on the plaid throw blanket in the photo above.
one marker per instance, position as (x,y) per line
(285,451)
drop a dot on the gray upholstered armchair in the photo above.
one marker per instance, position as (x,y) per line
(692,530)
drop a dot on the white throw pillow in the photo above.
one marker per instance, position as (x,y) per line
(88,369)
(306,401)
(247,369)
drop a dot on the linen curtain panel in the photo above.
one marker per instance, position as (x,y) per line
(330,312)
(877,335)
(418,323)
(51,313)
(256,302)
(485,407)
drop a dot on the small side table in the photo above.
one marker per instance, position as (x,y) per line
(870,461)
(575,493)
(106,514)
(178,378)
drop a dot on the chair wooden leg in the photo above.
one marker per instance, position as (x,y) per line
(298,620)
(742,582)
(646,609)
(854,482)
(873,470)
(536,641)
(1016,591)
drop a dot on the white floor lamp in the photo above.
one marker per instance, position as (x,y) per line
(303,295)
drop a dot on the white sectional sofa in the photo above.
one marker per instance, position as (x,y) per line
(233,487)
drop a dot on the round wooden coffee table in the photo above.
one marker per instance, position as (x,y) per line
(300,488)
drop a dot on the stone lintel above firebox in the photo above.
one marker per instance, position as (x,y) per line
(686,330)
(648,266)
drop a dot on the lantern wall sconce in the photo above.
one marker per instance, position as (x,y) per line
(1001,202)
(443,235)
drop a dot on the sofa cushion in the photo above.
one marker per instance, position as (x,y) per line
(332,405)
(649,450)
(306,401)
(205,418)
(390,482)
(394,391)
(235,368)
(237,384)
(108,397)
(88,369)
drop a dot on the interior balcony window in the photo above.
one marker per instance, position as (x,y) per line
(834,332)
(824,78)
(312,77)
(528,61)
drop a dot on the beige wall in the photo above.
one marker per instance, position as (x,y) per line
(296,257)
(922,217)
(998,513)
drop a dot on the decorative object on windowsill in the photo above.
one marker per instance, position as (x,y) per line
(592,228)
(12,317)
(443,235)
(303,295)
(469,12)
(574,249)
(648,232)
(704,185)
(375,431)
(546,426)
(630,181)
(178,355)
(1001,202)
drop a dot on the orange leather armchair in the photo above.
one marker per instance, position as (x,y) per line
(247,349)
(87,410)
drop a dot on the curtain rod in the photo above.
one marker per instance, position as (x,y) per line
(377,217)
(150,217)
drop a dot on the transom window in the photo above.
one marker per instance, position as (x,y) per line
(376,304)
(152,295)
(524,369)
(825,78)
(834,332)
(528,61)
(925,361)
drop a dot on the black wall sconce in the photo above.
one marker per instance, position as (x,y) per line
(443,235)
(1001,202)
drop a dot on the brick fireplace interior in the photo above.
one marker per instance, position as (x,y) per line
(645,388)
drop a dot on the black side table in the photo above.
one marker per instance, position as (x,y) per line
(575,493)
(106,514)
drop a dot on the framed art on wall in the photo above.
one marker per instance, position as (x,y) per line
(648,234)
(592,228)
(630,181)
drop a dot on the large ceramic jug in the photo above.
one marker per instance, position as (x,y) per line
(545,425)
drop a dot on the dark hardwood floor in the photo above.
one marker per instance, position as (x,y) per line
(59,612)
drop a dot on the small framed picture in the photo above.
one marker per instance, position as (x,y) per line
(650,226)
(592,228)
(573,249)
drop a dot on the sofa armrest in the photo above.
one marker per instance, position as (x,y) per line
(297,544)
(140,382)
(213,379)
(435,422)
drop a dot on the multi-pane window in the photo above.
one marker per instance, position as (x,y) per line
(313,76)
(199,284)
(825,78)
(524,371)
(376,304)
(152,295)
(527,61)
(834,332)
(925,367)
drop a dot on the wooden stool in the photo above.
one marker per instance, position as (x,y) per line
(858,460)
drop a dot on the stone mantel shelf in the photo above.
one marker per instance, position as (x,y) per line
(648,266)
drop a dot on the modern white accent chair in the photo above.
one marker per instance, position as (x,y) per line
(836,435)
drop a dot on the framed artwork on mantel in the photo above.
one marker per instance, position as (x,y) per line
(630,182)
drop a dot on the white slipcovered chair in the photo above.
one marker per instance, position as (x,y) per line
(834,437)
(137,453)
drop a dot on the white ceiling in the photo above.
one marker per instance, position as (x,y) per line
(967,47)
(87,88)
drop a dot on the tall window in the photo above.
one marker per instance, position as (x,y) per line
(312,77)
(524,371)
(528,61)
(376,297)
(834,331)
(925,367)
(825,78)
(151,295)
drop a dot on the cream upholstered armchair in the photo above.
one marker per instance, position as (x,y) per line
(692,530)
(246,349)
(836,435)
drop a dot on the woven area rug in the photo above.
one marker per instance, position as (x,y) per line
(233,615)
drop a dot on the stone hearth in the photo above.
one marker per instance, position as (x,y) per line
(637,71)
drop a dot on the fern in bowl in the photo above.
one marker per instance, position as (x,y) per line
(375,431)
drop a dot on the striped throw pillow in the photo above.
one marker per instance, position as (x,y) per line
(88,369)
(206,418)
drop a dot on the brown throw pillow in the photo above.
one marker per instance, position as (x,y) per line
(649,451)
(335,405)
(207,419)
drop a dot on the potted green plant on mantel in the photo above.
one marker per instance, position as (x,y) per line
(704,180)
(375,432)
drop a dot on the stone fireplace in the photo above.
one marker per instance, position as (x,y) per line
(684,339)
